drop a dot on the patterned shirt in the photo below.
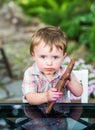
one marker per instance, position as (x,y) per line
(35,81)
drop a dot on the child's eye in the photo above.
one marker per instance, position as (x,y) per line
(42,56)
(56,57)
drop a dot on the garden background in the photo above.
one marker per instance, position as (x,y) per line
(18,21)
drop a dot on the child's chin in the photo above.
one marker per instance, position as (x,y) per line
(49,73)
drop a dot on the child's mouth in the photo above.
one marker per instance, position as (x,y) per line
(50,69)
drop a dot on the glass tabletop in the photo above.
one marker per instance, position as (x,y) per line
(65,116)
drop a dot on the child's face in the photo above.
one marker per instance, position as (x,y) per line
(47,61)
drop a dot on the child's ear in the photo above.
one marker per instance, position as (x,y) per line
(32,54)
(65,54)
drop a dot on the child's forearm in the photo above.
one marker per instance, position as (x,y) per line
(36,98)
(75,87)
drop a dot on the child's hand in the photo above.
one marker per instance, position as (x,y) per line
(53,94)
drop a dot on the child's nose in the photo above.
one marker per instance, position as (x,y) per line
(49,62)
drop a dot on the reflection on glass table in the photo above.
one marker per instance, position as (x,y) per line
(19,116)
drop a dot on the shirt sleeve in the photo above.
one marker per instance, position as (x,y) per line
(27,85)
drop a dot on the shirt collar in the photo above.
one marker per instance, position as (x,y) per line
(35,69)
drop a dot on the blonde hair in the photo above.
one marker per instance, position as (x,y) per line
(50,36)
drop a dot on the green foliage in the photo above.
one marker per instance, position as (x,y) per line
(90,58)
(87,36)
(49,17)
(92,39)
(72,28)
(72,47)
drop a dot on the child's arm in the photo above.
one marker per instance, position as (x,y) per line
(40,98)
(75,86)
